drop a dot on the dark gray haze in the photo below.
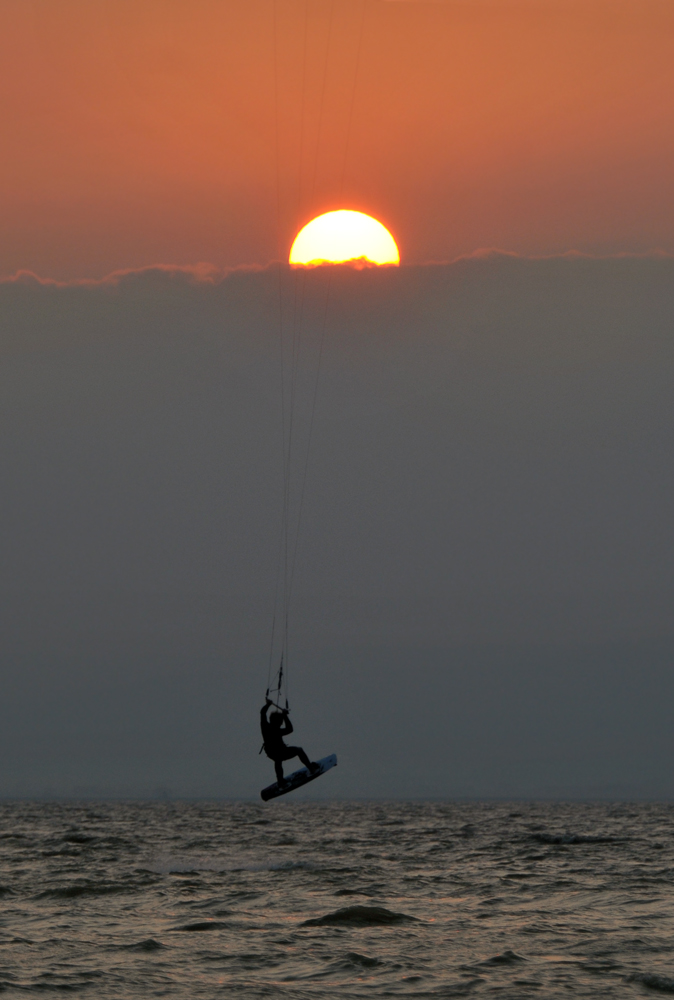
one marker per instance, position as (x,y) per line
(484,587)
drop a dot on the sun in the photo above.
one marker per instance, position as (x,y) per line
(341,236)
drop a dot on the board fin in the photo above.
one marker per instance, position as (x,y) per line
(298,778)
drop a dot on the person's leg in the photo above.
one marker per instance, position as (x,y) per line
(278,767)
(291,752)
(310,764)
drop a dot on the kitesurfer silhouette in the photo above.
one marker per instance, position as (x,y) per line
(274,728)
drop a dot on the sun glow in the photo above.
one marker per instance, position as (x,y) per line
(337,237)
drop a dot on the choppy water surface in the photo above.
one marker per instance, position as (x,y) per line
(299,900)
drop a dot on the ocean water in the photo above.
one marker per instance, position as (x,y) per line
(339,900)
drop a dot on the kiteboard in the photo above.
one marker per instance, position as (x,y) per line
(299,778)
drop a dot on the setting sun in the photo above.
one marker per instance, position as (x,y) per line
(341,236)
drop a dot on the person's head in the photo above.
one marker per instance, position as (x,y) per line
(275,719)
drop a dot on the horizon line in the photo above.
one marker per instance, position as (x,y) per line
(206,273)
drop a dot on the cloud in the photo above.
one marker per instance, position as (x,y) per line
(206,273)
(486,526)
(201,273)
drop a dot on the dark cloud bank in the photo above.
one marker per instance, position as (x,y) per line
(485,582)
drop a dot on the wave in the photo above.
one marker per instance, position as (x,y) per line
(194,865)
(181,866)
(352,962)
(148,945)
(91,889)
(78,838)
(359,916)
(652,981)
(574,838)
(363,961)
(505,958)
(286,866)
(202,925)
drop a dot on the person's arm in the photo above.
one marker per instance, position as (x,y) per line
(263,715)
(287,724)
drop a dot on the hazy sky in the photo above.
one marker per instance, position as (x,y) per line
(485,583)
(485,578)
(136,132)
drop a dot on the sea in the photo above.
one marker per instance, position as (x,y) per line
(312,900)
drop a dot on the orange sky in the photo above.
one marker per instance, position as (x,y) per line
(143,131)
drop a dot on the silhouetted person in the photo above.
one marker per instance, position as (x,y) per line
(274,729)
